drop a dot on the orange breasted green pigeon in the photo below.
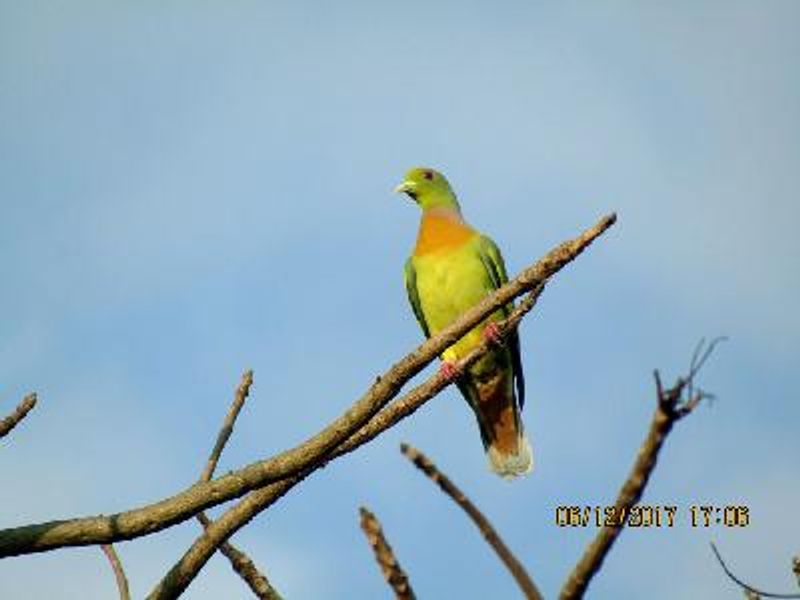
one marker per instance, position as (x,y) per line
(452,267)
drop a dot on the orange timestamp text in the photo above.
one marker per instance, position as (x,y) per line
(655,515)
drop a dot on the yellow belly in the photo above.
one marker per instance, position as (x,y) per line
(450,282)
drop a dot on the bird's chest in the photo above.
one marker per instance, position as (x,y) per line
(448,283)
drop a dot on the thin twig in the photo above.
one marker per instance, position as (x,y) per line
(242,564)
(227,426)
(20,412)
(672,405)
(493,538)
(530,279)
(119,572)
(742,584)
(392,571)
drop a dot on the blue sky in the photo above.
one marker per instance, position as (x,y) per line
(192,189)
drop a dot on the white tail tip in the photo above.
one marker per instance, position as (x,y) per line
(510,466)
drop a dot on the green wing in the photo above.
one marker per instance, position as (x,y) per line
(410,276)
(496,268)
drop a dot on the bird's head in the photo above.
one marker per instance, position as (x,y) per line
(428,188)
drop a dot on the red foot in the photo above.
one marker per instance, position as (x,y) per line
(492,333)
(450,371)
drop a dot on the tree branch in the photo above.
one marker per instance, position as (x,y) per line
(240,562)
(184,571)
(296,462)
(119,572)
(392,571)
(748,588)
(424,464)
(20,412)
(671,407)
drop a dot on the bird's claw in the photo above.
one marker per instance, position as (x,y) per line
(449,371)
(491,333)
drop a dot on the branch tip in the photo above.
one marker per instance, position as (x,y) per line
(20,412)
(390,567)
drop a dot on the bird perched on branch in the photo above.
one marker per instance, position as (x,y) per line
(452,267)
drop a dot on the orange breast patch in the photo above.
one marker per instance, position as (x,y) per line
(437,232)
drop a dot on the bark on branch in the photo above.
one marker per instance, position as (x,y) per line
(293,464)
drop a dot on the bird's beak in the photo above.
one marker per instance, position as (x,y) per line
(406,187)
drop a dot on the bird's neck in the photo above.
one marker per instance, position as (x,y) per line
(451,213)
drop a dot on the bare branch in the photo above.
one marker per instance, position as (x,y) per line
(392,571)
(20,412)
(182,573)
(119,572)
(796,568)
(516,568)
(672,405)
(742,584)
(296,462)
(240,562)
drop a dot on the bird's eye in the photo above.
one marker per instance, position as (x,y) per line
(428,175)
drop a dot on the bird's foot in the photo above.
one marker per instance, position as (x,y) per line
(450,370)
(491,333)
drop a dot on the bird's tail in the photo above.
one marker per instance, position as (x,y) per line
(510,464)
(507,447)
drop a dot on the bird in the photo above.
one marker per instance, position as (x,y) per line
(451,268)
